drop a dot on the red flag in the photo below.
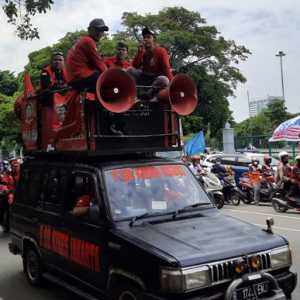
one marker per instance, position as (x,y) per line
(28,87)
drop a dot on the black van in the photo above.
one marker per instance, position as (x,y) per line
(150,232)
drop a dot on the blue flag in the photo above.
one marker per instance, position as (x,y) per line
(195,144)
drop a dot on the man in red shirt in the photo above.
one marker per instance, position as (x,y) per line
(54,75)
(151,60)
(119,60)
(84,63)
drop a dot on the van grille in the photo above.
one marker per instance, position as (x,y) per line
(224,270)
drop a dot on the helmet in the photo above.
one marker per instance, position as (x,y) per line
(267,159)
(255,160)
(297,157)
(195,157)
(282,154)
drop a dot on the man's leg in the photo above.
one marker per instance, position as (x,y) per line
(87,83)
(256,190)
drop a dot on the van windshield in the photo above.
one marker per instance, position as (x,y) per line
(133,191)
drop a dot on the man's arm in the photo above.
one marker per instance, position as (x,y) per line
(138,59)
(165,63)
(96,61)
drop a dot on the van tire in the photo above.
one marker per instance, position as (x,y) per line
(126,291)
(32,266)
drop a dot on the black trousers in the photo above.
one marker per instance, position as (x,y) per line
(86,83)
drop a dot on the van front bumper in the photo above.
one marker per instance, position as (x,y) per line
(287,281)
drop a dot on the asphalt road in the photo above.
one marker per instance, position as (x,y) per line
(13,284)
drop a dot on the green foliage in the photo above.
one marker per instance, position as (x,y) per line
(9,125)
(265,122)
(199,50)
(20,12)
(8,83)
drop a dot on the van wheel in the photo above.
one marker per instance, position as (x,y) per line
(126,292)
(32,266)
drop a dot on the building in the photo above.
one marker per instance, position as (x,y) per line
(255,107)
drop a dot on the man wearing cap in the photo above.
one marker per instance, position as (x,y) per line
(54,75)
(152,60)
(119,60)
(84,63)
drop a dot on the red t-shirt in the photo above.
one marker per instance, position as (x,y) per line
(84,201)
(113,62)
(83,60)
(156,62)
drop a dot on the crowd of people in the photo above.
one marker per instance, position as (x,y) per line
(286,175)
(9,177)
(84,64)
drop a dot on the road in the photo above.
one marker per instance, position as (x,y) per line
(13,285)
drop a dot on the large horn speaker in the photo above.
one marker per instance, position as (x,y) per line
(116,90)
(182,94)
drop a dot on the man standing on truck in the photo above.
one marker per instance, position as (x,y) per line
(150,61)
(84,63)
(54,75)
(120,59)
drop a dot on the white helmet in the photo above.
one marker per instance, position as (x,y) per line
(297,157)
(282,154)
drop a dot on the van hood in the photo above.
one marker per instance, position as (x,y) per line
(201,239)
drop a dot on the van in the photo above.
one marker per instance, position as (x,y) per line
(149,232)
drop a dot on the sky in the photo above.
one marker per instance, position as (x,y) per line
(263,26)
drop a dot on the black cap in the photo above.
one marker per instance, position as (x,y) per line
(122,45)
(146,30)
(98,24)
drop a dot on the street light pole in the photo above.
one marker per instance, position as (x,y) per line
(281,54)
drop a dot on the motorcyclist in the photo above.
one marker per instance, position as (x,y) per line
(296,174)
(195,166)
(255,171)
(266,168)
(283,175)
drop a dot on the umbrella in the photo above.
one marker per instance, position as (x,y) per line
(288,131)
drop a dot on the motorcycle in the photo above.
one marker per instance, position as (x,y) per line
(246,187)
(283,201)
(213,186)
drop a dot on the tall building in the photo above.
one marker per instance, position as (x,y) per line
(255,107)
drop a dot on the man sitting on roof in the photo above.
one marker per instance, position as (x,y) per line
(84,63)
(119,60)
(151,61)
(54,75)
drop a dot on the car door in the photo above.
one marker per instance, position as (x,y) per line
(86,233)
(49,208)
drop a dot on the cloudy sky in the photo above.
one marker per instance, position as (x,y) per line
(263,26)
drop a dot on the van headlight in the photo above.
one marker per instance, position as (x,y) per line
(180,280)
(280,258)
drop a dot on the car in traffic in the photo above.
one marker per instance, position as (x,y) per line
(150,232)
(238,161)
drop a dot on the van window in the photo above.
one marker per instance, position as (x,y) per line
(50,196)
(82,197)
(30,187)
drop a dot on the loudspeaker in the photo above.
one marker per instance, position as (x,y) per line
(182,94)
(116,90)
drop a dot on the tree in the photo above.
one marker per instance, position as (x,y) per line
(10,133)
(20,12)
(8,83)
(276,112)
(199,50)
